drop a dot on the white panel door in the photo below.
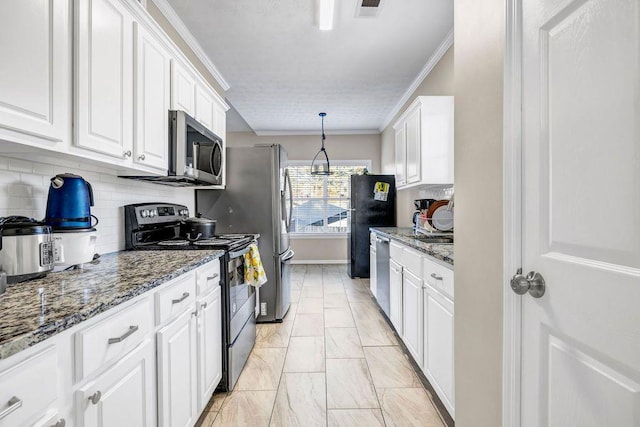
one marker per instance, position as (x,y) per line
(413,146)
(177,388)
(209,346)
(401,156)
(412,314)
(152,70)
(204,106)
(581,212)
(219,120)
(395,295)
(373,275)
(183,89)
(104,77)
(35,93)
(124,395)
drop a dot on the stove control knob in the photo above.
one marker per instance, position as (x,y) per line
(184,212)
(144,213)
(153,213)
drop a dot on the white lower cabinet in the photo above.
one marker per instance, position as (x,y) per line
(395,295)
(124,395)
(209,346)
(177,371)
(373,273)
(412,314)
(438,345)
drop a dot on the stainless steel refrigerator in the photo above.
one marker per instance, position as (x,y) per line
(257,199)
(373,204)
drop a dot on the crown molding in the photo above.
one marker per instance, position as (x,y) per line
(444,46)
(315,132)
(185,33)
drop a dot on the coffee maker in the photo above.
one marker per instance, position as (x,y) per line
(421,205)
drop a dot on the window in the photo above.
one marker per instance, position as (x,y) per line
(321,202)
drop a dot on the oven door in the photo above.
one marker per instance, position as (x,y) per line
(241,294)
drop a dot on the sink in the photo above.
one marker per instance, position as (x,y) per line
(434,239)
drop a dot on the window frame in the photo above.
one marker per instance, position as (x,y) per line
(325,235)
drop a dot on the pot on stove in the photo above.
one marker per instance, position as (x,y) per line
(197,228)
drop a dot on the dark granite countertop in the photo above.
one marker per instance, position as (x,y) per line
(441,252)
(32,311)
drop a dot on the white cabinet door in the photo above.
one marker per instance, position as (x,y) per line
(413,141)
(204,106)
(104,77)
(437,139)
(401,156)
(395,295)
(412,314)
(209,346)
(438,345)
(124,395)
(152,89)
(183,89)
(177,372)
(372,271)
(35,94)
(220,120)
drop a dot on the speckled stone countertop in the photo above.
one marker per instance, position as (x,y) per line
(32,311)
(439,251)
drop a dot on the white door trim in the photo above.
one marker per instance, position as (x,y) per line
(512,213)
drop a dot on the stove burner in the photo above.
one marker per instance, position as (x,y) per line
(177,242)
(214,241)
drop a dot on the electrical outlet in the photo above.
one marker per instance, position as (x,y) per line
(263,308)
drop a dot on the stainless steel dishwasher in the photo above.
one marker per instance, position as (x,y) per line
(382,272)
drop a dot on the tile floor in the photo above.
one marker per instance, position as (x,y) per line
(334,361)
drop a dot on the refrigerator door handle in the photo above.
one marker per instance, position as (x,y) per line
(290,190)
(288,255)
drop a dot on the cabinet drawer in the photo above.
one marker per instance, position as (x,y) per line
(412,261)
(438,277)
(173,299)
(112,337)
(208,277)
(30,387)
(396,252)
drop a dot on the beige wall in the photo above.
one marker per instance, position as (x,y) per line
(439,82)
(339,147)
(184,47)
(479,41)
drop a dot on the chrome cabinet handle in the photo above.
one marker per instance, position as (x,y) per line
(61,423)
(215,276)
(435,276)
(124,336)
(203,305)
(95,397)
(14,404)
(184,296)
(533,283)
(126,154)
(141,157)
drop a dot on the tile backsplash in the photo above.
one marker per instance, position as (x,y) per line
(24,186)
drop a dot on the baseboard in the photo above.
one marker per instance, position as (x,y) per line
(319,261)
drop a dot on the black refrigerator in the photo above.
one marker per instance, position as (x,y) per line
(373,204)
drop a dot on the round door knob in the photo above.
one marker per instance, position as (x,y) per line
(126,154)
(141,157)
(533,283)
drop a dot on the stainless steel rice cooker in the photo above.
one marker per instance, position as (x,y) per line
(26,248)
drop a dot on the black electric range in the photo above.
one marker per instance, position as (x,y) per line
(156,226)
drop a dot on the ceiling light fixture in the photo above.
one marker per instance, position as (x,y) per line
(326,15)
(320,166)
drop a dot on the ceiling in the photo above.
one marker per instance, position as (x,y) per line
(282,70)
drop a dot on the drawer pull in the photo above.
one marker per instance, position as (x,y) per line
(14,404)
(60,423)
(215,276)
(435,276)
(95,397)
(203,305)
(184,296)
(124,336)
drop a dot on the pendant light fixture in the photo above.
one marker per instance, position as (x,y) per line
(320,163)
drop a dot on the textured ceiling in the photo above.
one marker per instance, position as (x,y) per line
(282,70)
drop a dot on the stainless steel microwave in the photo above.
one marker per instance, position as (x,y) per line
(195,154)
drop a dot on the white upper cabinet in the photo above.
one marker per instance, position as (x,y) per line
(204,106)
(104,77)
(183,88)
(424,142)
(152,91)
(35,75)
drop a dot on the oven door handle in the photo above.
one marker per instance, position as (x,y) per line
(288,255)
(236,254)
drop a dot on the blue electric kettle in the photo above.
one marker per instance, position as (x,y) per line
(69,203)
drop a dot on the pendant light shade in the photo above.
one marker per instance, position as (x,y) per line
(320,163)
